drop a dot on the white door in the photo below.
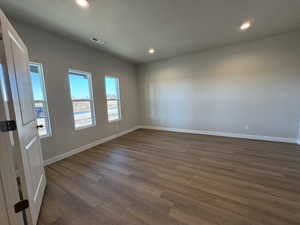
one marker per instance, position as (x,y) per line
(28,143)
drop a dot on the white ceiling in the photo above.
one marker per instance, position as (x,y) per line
(172,27)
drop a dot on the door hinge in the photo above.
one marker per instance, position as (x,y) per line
(8,125)
(21,205)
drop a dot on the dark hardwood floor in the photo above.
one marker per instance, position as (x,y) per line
(162,178)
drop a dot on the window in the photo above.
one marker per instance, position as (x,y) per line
(82,99)
(113,98)
(40,99)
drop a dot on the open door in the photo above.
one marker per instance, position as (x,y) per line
(26,138)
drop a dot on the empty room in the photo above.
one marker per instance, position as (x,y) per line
(149,112)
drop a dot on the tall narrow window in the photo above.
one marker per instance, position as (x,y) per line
(82,99)
(40,99)
(113,98)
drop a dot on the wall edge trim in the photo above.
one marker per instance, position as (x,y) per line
(225,134)
(191,131)
(87,146)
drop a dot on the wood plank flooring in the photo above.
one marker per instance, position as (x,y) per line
(162,178)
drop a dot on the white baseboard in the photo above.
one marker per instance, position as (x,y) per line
(213,133)
(86,147)
(225,134)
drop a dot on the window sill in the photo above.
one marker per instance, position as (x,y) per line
(85,127)
(113,121)
(45,136)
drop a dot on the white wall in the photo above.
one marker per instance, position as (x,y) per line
(254,84)
(57,55)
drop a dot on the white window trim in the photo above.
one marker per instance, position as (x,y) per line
(49,130)
(91,99)
(119,99)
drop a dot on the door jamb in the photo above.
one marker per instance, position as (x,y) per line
(7,166)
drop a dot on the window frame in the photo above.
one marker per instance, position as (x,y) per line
(89,75)
(45,102)
(118,99)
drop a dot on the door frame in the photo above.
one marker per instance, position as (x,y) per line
(10,163)
(6,216)
(21,137)
(8,178)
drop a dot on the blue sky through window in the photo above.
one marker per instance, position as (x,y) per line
(36,83)
(3,85)
(111,87)
(80,86)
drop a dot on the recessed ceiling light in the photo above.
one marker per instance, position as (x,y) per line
(83,3)
(151,51)
(245,26)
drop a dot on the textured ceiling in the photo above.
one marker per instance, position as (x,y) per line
(172,27)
